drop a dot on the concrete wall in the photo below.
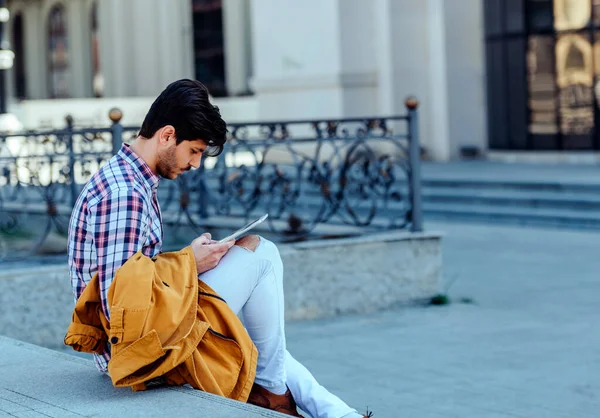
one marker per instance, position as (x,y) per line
(322,279)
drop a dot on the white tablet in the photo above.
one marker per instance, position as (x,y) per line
(245,228)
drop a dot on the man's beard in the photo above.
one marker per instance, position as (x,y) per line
(167,164)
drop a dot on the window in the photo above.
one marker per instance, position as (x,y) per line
(571,14)
(552,64)
(58,56)
(209,59)
(19,62)
(506,73)
(542,89)
(97,79)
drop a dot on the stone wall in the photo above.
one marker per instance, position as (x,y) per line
(322,279)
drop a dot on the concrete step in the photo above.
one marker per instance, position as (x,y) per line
(583,201)
(507,214)
(35,381)
(511,184)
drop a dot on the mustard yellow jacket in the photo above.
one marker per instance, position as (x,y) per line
(164,322)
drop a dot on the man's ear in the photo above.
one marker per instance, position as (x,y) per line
(166,135)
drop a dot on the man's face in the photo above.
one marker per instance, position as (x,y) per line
(174,159)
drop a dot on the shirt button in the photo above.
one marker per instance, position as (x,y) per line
(114,340)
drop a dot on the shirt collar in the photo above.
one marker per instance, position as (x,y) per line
(140,166)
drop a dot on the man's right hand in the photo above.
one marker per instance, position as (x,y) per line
(208,253)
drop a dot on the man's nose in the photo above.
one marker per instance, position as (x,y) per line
(195,162)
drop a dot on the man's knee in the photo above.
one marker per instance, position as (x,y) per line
(249,242)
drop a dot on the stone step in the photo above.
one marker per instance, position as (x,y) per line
(516,215)
(582,201)
(511,184)
(35,381)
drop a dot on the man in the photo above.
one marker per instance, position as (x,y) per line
(117,215)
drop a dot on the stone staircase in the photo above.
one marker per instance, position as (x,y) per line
(527,196)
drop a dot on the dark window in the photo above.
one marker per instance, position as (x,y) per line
(516,74)
(515,16)
(539,15)
(493,17)
(543,69)
(19,62)
(496,95)
(209,58)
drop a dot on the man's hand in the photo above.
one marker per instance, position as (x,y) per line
(208,253)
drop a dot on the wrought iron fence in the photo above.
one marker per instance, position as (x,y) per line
(347,174)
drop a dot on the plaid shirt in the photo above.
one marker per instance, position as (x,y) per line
(116,215)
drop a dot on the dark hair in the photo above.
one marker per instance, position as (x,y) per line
(185,105)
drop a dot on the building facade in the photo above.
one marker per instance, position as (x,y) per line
(261,59)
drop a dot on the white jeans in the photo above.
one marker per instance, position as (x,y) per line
(252,283)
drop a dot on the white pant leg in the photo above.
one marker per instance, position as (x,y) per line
(252,283)
(310,396)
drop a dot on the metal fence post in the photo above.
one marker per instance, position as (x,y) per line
(73,188)
(412,105)
(115,116)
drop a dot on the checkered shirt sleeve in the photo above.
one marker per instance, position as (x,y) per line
(119,222)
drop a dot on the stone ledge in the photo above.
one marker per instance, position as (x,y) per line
(38,382)
(361,274)
(323,278)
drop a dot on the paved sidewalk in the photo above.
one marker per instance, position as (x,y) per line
(527,348)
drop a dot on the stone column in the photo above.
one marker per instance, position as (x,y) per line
(296,56)
(144,37)
(144,44)
(465,65)
(315,59)
(79,27)
(438,140)
(115,18)
(174,24)
(433,49)
(358,58)
(237,45)
(35,44)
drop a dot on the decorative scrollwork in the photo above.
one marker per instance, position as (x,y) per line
(352,172)
(347,173)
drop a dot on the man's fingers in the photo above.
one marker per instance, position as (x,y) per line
(221,248)
(202,239)
(207,235)
(224,246)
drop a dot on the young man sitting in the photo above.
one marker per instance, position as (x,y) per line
(173,316)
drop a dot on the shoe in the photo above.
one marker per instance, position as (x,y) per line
(284,404)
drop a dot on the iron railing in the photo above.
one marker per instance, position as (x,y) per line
(348,174)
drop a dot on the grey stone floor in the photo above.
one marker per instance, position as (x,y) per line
(528,347)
